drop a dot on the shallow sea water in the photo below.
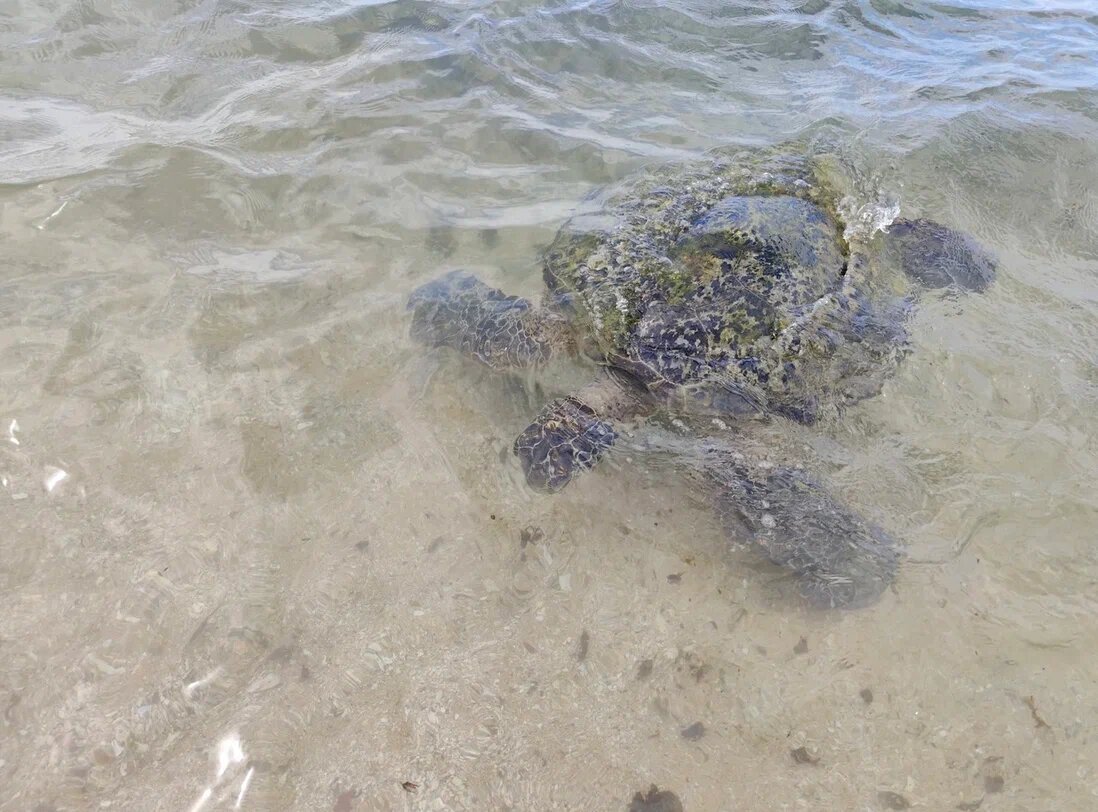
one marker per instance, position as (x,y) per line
(258,550)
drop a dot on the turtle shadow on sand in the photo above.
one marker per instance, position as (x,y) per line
(722,289)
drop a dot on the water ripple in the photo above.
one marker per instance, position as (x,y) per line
(261,551)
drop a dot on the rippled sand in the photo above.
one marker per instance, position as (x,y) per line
(260,551)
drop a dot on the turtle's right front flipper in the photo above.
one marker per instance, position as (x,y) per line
(458,310)
(840,559)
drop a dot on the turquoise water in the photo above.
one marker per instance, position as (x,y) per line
(262,551)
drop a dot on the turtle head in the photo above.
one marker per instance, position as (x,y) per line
(938,257)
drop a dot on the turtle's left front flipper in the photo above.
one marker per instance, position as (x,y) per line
(938,256)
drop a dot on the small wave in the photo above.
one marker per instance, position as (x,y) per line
(863,220)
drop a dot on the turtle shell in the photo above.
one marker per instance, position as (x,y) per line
(700,286)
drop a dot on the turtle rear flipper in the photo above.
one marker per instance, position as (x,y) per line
(459,311)
(572,433)
(937,256)
(840,559)
(565,439)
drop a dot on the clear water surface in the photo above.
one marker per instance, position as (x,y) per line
(260,551)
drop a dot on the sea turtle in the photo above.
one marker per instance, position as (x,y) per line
(725,289)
